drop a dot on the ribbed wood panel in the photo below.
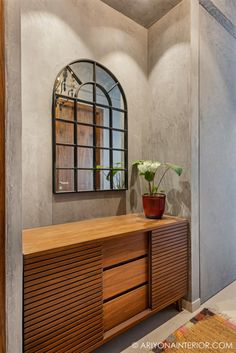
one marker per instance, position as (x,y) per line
(169,264)
(63,302)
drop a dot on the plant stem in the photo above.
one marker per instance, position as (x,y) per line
(162,178)
(150,188)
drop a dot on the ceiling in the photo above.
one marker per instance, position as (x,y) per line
(144,12)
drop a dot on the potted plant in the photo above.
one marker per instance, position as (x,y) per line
(154,200)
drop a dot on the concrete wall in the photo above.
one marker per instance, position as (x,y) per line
(194,288)
(54,33)
(85,29)
(228,8)
(13,179)
(217,150)
(167,134)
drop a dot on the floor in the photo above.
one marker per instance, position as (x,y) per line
(140,338)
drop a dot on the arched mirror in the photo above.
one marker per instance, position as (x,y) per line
(90,130)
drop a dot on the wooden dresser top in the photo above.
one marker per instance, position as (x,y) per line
(39,240)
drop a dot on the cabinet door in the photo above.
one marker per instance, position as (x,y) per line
(169,264)
(63,304)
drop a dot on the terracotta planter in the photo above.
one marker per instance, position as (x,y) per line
(154,206)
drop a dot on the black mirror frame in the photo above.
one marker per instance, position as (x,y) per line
(94,104)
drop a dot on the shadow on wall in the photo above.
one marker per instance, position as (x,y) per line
(179,200)
(135,190)
(173,29)
(169,125)
(74,14)
(66,31)
(95,210)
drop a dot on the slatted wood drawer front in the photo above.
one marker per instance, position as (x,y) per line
(124,277)
(169,264)
(63,303)
(125,248)
(125,307)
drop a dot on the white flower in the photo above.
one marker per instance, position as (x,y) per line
(156,165)
(148,166)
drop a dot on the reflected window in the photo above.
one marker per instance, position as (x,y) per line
(90,134)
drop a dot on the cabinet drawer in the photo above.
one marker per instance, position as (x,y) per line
(124,307)
(124,248)
(124,277)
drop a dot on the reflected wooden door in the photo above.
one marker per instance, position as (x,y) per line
(85,138)
(65,155)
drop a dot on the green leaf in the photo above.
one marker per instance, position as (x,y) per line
(178,169)
(149,176)
(136,163)
(108,176)
(154,189)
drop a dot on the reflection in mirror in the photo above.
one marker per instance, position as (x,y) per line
(85,180)
(84,113)
(118,120)
(104,79)
(118,139)
(101,97)
(102,180)
(65,181)
(116,97)
(118,179)
(103,117)
(66,84)
(65,132)
(116,176)
(64,109)
(119,159)
(64,157)
(86,93)
(102,158)
(84,157)
(85,135)
(83,71)
(89,130)
(102,137)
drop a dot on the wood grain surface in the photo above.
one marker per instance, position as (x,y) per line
(43,239)
(169,264)
(122,278)
(124,307)
(63,301)
(122,249)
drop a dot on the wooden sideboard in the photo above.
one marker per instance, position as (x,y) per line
(88,281)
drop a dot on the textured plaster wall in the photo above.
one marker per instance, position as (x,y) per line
(194,285)
(144,12)
(228,8)
(167,134)
(217,152)
(13,248)
(54,33)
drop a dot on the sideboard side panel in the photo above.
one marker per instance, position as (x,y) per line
(169,264)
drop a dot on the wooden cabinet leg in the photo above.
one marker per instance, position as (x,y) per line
(179,305)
